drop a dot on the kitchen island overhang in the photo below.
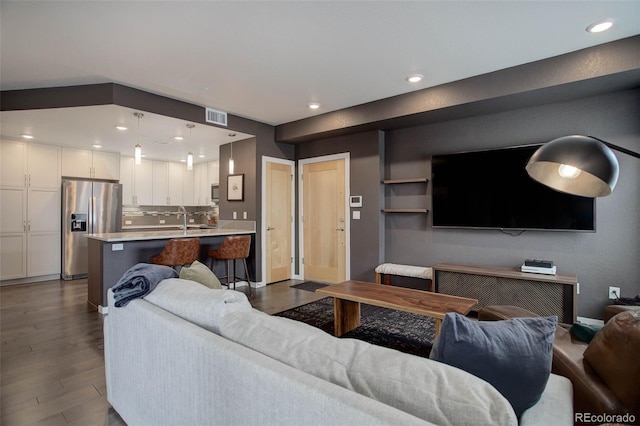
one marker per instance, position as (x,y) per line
(112,254)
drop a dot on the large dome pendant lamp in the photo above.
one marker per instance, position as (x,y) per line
(578,165)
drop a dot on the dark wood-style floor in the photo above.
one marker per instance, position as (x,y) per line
(51,354)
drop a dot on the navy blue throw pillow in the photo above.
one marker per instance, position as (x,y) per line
(513,355)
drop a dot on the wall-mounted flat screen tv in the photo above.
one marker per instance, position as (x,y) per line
(492,190)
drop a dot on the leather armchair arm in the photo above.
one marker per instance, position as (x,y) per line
(613,310)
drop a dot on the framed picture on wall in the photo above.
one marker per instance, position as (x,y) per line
(235,187)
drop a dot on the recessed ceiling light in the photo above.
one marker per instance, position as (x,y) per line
(600,26)
(200,155)
(27,136)
(183,161)
(414,78)
(123,128)
(314,105)
(178,138)
(96,145)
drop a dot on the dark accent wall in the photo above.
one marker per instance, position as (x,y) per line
(366,239)
(608,257)
(247,155)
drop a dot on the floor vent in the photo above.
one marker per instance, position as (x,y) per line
(216,117)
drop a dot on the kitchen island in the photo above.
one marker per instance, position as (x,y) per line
(112,254)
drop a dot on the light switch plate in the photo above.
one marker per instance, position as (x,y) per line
(356,214)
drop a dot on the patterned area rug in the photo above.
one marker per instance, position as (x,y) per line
(410,333)
(309,286)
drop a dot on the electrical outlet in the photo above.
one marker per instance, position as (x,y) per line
(235,215)
(244,215)
(614,292)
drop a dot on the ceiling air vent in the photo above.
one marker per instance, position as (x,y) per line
(216,117)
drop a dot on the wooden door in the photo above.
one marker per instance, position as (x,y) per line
(278,220)
(324,227)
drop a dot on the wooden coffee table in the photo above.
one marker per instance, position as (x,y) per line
(349,294)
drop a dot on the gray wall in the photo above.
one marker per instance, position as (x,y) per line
(366,238)
(608,257)
(247,156)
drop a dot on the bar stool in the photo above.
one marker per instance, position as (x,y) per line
(178,252)
(233,248)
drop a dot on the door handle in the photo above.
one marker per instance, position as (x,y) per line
(270,228)
(340,229)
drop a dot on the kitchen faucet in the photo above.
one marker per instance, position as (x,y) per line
(182,210)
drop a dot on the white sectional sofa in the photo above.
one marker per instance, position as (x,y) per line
(189,355)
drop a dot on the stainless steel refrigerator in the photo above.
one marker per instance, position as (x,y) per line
(88,207)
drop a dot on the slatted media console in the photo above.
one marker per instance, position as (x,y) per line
(546,295)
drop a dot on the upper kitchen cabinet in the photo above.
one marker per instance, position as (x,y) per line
(177,173)
(160,183)
(137,182)
(13,157)
(168,183)
(44,166)
(90,164)
(202,185)
(187,188)
(214,172)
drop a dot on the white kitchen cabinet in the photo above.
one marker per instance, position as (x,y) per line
(85,163)
(106,165)
(30,192)
(176,174)
(187,188)
(202,187)
(13,161)
(214,172)
(44,166)
(143,183)
(137,185)
(126,179)
(13,232)
(167,183)
(160,183)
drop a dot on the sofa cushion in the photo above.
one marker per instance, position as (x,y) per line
(199,273)
(196,303)
(613,354)
(429,390)
(513,355)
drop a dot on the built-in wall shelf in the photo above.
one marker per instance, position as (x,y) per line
(425,211)
(410,180)
(419,180)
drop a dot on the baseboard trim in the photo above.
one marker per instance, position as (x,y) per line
(29,280)
(244,284)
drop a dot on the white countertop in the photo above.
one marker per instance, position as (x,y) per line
(163,235)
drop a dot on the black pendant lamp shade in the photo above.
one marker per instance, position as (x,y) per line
(579,165)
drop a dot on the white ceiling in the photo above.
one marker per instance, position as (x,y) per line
(267,60)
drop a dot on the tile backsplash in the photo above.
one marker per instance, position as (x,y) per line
(146,216)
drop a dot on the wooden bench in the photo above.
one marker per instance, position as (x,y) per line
(384,271)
